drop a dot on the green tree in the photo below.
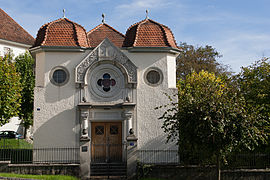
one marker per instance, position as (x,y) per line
(24,66)
(199,58)
(210,118)
(254,83)
(10,90)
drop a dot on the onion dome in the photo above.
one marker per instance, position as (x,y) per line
(61,32)
(102,31)
(148,33)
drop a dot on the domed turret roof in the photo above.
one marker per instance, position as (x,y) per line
(148,33)
(62,32)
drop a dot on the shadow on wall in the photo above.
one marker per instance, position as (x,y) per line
(59,131)
(159,143)
(55,93)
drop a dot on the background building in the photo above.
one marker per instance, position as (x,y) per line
(15,40)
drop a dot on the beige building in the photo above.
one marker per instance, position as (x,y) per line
(98,90)
(13,38)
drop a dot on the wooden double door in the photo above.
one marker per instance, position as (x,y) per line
(106,143)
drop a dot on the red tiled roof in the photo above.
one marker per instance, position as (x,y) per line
(148,33)
(102,31)
(12,31)
(61,32)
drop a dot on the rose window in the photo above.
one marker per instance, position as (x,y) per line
(107,82)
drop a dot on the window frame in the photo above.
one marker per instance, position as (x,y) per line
(54,70)
(160,75)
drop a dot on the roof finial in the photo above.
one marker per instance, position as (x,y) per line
(146,14)
(64,13)
(103,18)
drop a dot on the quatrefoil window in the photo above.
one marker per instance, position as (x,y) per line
(107,82)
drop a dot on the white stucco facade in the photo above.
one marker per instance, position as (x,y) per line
(65,115)
(16,48)
(56,109)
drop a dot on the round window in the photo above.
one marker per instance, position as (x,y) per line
(153,76)
(106,81)
(59,76)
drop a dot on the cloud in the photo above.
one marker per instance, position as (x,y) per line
(139,6)
(243,48)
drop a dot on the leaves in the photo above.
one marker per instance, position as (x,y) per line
(210,116)
(24,66)
(199,58)
(10,90)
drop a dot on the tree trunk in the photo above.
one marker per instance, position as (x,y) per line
(218,168)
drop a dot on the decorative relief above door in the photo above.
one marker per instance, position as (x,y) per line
(105,51)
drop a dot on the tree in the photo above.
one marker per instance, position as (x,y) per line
(24,66)
(210,118)
(10,90)
(254,83)
(196,59)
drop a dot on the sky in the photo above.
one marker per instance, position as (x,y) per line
(238,29)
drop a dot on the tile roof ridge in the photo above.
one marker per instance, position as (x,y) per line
(172,37)
(165,33)
(95,28)
(139,24)
(104,24)
(114,29)
(74,23)
(46,30)
(17,23)
(76,31)
(163,30)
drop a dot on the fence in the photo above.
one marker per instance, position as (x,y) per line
(158,156)
(41,155)
(235,161)
(71,155)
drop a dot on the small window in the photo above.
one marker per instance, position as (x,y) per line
(59,76)
(99,130)
(113,129)
(7,50)
(153,77)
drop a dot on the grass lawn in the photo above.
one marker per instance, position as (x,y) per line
(15,144)
(45,177)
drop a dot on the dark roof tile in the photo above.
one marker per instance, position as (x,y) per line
(12,31)
(102,31)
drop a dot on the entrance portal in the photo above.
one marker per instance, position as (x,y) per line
(106,142)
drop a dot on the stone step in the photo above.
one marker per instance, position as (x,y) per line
(105,169)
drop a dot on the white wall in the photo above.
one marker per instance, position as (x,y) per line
(16,48)
(56,123)
(149,132)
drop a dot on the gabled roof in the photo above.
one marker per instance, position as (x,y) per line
(148,33)
(12,31)
(61,32)
(102,31)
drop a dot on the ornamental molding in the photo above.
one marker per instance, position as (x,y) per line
(106,50)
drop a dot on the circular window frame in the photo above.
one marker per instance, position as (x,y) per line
(97,73)
(59,68)
(153,69)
